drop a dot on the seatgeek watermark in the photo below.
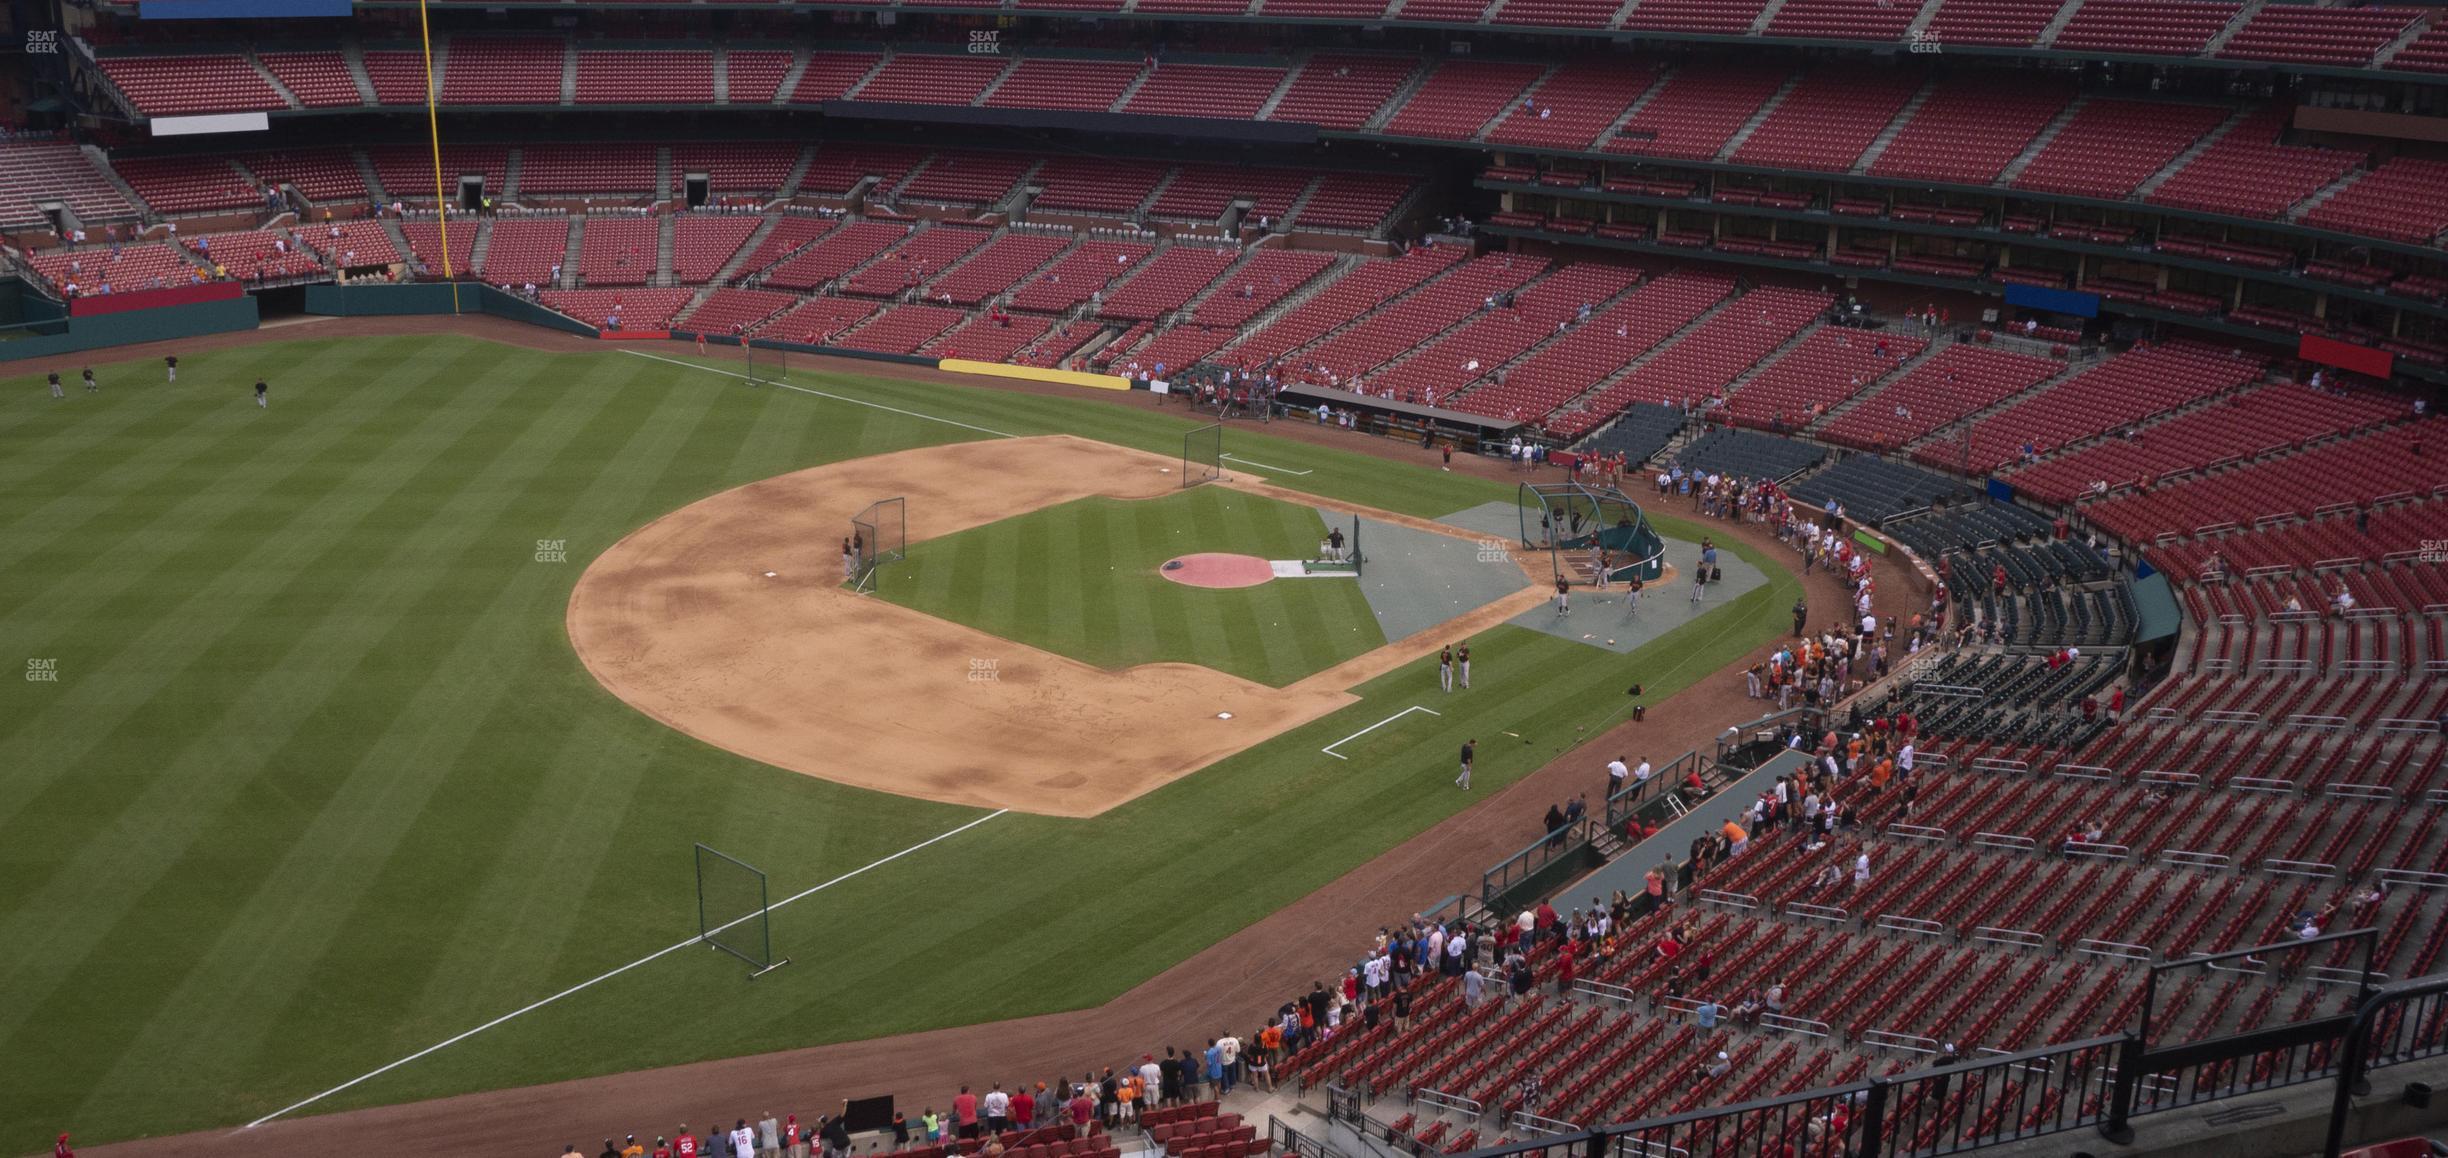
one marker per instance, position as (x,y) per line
(42,671)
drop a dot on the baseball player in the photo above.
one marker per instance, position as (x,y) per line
(1470,748)
(1563,596)
(1466,667)
(1445,670)
(1632,596)
(56,392)
(262,395)
(91,386)
(171,362)
(1605,564)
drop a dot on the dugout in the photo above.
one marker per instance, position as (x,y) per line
(1394,418)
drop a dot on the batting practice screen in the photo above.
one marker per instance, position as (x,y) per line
(732,911)
(879,535)
(1203,455)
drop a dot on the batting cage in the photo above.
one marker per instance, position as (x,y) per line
(733,912)
(879,535)
(1581,526)
(1202,455)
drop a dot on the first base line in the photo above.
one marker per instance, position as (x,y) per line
(834,397)
(673,948)
(1330,748)
(1264,466)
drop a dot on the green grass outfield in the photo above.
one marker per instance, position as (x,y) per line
(320,783)
(1081,579)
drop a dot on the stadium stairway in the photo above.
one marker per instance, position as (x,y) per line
(2151,184)
(2040,141)
(1759,116)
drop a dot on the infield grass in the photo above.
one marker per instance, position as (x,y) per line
(1082,579)
(319,782)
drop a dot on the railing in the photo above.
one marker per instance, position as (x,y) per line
(1571,845)
(1641,796)
(1290,1141)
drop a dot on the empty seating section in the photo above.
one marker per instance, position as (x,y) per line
(990,338)
(2111,147)
(2370,536)
(33,173)
(1954,382)
(1700,363)
(2405,199)
(1095,184)
(173,85)
(1638,434)
(637,309)
(1167,283)
(1046,82)
(425,244)
(2260,421)
(2011,23)
(1269,276)
(618,250)
(1826,121)
(753,76)
(1354,200)
(399,75)
(1402,324)
(1330,9)
(1342,90)
(1874,489)
(1193,7)
(2246,172)
(816,321)
(612,168)
(2361,470)
(1203,192)
(967,178)
(319,80)
(831,75)
(1494,336)
(702,243)
(2427,53)
(188,184)
(146,265)
(2125,389)
(1558,13)
(1720,17)
(834,254)
(1967,133)
(1598,349)
(610,76)
(1843,19)
(1830,366)
(524,249)
(1086,269)
(2170,27)
(901,329)
(736,167)
(1744,454)
(318,174)
(1695,112)
(502,71)
(923,256)
(360,243)
(997,268)
(1572,107)
(1461,97)
(928,79)
(1228,91)
(837,168)
(1443,11)
(727,311)
(2334,35)
(790,233)
(1345,299)
(255,254)
(407,171)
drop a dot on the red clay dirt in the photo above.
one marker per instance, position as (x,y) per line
(1231,983)
(1218,570)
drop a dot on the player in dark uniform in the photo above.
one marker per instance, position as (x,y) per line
(1563,595)
(171,362)
(261,395)
(56,392)
(1470,748)
(1466,667)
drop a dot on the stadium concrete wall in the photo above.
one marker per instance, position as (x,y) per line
(351,301)
(128,328)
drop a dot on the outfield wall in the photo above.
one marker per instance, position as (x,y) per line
(385,300)
(127,328)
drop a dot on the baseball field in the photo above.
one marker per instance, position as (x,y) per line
(352,724)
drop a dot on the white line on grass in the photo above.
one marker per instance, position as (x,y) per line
(822,394)
(673,948)
(1330,748)
(1263,466)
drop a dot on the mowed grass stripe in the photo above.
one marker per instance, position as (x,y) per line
(340,850)
(130,622)
(205,824)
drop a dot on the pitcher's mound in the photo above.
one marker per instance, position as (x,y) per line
(1214,569)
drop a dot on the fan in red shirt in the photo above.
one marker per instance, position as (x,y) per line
(685,1146)
(60,1148)
(1024,1108)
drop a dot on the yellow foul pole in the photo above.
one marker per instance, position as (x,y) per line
(433,134)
